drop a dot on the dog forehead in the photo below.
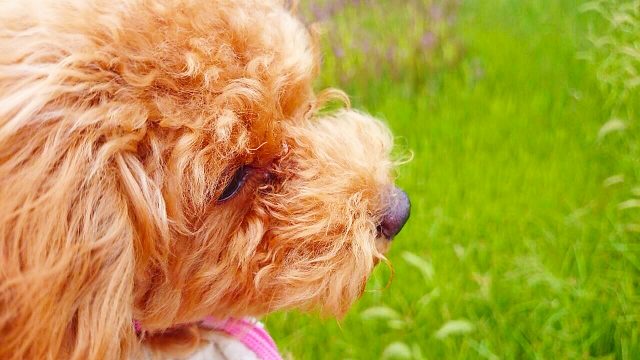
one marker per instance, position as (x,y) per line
(238,71)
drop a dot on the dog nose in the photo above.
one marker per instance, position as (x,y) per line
(396,215)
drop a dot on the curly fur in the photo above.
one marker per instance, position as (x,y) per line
(120,124)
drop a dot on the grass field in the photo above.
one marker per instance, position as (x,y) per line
(524,241)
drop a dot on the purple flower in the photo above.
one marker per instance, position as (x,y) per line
(428,40)
(368,31)
(391,53)
(319,12)
(338,51)
(436,12)
(365,45)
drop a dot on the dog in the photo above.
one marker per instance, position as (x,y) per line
(168,161)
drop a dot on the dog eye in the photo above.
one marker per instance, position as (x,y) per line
(235,184)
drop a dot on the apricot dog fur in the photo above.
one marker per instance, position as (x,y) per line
(121,124)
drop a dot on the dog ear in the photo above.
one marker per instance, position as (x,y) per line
(78,205)
(71,204)
(79,213)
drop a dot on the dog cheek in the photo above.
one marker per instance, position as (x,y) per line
(219,264)
(313,262)
(245,245)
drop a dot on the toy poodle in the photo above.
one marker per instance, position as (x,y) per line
(166,175)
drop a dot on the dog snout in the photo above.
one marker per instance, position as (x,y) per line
(398,209)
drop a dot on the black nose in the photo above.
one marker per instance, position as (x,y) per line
(396,215)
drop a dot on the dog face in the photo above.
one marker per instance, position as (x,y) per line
(165,160)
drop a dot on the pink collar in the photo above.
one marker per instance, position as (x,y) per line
(249,332)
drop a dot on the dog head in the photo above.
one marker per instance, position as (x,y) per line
(165,160)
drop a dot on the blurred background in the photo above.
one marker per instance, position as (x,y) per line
(524,241)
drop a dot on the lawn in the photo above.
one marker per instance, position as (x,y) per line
(523,242)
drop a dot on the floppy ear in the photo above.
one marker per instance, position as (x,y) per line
(66,247)
(76,205)
(76,202)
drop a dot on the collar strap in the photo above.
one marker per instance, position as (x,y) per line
(249,332)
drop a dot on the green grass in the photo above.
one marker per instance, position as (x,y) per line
(524,249)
